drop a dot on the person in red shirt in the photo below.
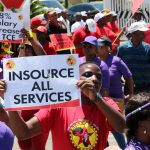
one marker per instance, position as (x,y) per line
(84,127)
(102,30)
(112,25)
(80,34)
(42,36)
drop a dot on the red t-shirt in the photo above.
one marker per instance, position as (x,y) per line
(113,26)
(49,49)
(105,31)
(76,127)
(79,37)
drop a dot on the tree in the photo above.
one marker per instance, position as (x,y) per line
(36,8)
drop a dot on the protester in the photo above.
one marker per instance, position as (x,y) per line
(138,122)
(89,49)
(102,30)
(37,142)
(80,34)
(35,23)
(53,25)
(84,16)
(136,54)
(58,12)
(43,39)
(139,16)
(64,20)
(78,22)
(117,69)
(113,25)
(89,123)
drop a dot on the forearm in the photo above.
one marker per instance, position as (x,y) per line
(116,120)
(130,85)
(38,49)
(19,127)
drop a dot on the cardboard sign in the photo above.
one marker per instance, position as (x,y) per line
(62,41)
(41,81)
(10,26)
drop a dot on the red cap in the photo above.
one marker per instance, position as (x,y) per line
(37,21)
(41,29)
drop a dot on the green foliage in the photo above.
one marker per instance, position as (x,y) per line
(1,7)
(36,8)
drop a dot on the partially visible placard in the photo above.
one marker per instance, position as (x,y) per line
(10,26)
(41,82)
(62,41)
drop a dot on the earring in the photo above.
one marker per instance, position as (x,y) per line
(145,131)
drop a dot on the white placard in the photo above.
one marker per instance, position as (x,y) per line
(41,81)
(10,25)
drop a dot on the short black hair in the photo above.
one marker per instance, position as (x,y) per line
(136,101)
(88,62)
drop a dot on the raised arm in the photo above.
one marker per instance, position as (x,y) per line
(115,118)
(24,130)
(38,49)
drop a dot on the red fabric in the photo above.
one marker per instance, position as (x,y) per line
(76,123)
(136,4)
(113,26)
(147,36)
(37,142)
(79,37)
(49,49)
(12,4)
(105,31)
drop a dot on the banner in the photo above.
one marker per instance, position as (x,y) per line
(21,9)
(136,4)
(41,82)
(62,41)
(10,25)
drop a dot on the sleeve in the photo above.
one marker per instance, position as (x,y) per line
(112,103)
(76,37)
(105,75)
(111,35)
(46,118)
(122,67)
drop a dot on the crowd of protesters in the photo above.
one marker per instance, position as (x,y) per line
(114,82)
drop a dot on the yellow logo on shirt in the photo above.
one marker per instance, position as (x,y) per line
(83,135)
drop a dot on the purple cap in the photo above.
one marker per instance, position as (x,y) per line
(6,137)
(90,39)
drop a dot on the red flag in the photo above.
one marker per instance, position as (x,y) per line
(135,5)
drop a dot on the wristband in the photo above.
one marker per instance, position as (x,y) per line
(98,97)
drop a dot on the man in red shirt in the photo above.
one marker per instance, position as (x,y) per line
(84,127)
(80,34)
(42,36)
(102,30)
